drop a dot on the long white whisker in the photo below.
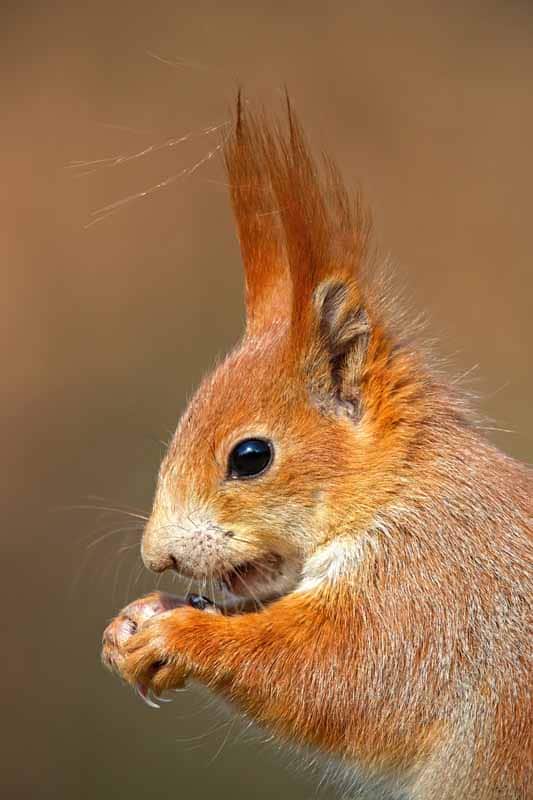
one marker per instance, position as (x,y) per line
(105,536)
(231,725)
(256,599)
(110,509)
(122,506)
(140,570)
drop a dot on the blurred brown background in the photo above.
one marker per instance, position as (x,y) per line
(110,323)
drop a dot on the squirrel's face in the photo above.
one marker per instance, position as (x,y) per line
(299,435)
(245,491)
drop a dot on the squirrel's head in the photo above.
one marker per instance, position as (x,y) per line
(299,435)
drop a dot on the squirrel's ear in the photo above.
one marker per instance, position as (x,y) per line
(340,342)
(267,280)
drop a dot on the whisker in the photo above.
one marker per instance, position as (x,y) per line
(243,732)
(132,579)
(110,509)
(203,735)
(214,593)
(114,594)
(140,570)
(126,506)
(241,539)
(127,547)
(105,536)
(256,599)
(191,580)
(231,725)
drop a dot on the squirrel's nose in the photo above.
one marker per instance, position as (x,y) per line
(159,562)
(156,553)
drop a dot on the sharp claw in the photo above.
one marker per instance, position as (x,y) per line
(161,699)
(142,691)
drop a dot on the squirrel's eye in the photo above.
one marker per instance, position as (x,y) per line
(249,458)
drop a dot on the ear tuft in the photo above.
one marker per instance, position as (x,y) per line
(297,225)
(267,280)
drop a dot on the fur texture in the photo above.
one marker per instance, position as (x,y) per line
(389,542)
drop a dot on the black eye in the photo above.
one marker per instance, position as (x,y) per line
(249,458)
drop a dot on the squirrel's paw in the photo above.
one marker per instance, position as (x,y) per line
(152,659)
(142,646)
(138,651)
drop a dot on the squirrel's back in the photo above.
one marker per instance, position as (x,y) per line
(438,597)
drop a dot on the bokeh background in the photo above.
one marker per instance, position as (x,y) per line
(111,318)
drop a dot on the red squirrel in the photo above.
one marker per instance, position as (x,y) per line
(326,472)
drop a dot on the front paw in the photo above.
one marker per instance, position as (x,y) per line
(130,620)
(151,658)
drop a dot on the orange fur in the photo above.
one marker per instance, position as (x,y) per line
(390,544)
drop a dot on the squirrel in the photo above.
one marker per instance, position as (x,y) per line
(328,474)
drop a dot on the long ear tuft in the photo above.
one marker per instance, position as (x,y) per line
(267,281)
(302,238)
(325,232)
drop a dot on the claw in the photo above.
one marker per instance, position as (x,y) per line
(161,699)
(143,693)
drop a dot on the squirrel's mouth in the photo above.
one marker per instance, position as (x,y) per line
(253,579)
